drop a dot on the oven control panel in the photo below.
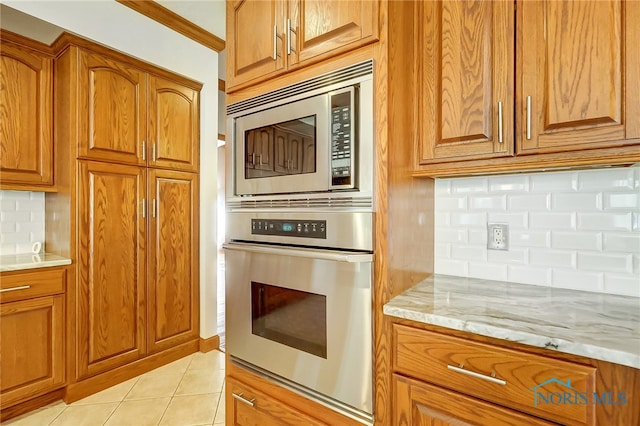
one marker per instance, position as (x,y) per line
(290,228)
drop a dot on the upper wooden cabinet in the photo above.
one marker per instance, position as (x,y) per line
(127,115)
(26,116)
(267,38)
(570,83)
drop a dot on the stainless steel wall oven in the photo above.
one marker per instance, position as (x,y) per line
(299,238)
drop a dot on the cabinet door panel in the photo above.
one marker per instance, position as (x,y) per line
(111,288)
(112,119)
(32,341)
(323,26)
(173,259)
(572,60)
(26,142)
(467,71)
(174,132)
(252,41)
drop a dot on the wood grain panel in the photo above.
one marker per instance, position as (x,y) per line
(173,259)
(113,105)
(174,125)
(26,114)
(32,342)
(111,286)
(572,60)
(250,38)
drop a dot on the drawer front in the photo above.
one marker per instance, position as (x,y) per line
(35,283)
(552,389)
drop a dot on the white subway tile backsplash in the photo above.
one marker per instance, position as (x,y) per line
(22,220)
(559,258)
(443,251)
(605,262)
(570,229)
(576,202)
(576,240)
(554,181)
(605,221)
(619,242)
(607,179)
(553,220)
(529,202)
(488,202)
(509,183)
(526,238)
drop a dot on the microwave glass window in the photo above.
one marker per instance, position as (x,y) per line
(287,148)
(291,317)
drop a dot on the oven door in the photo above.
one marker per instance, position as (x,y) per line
(303,315)
(284,149)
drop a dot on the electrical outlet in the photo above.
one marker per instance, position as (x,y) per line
(497,236)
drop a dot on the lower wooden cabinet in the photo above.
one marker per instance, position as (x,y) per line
(32,335)
(421,404)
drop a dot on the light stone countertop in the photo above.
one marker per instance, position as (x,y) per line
(593,325)
(17,262)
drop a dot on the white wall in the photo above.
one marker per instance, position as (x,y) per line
(21,221)
(116,26)
(571,229)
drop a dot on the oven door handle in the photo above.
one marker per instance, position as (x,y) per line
(336,256)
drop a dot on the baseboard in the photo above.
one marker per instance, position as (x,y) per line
(86,387)
(30,405)
(210,344)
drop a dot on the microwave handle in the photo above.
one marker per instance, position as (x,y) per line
(307,253)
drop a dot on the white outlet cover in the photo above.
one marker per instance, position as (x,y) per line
(498,236)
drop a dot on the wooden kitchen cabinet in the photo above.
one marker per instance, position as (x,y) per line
(173,253)
(26,126)
(577,82)
(32,334)
(268,38)
(130,116)
(290,150)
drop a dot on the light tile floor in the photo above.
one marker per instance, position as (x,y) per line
(186,392)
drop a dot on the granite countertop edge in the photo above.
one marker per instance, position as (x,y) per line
(504,311)
(19,262)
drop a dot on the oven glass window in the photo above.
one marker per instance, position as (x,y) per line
(287,148)
(294,318)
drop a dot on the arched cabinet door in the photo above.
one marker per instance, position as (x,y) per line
(112,110)
(174,131)
(26,142)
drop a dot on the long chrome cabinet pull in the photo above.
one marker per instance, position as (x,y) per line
(239,397)
(144,151)
(528,117)
(22,287)
(153,152)
(476,375)
(153,208)
(144,208)
(275,42)
(289,31)
(500,138)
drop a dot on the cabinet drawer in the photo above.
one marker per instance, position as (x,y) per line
(556,390)
(25,285)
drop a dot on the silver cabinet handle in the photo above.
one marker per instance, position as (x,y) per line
(289,31)
(275,42)
(144,151)
(260,159)
(528,117)
(22,287)
(144,208)
(239,397)
(253,158)
(153,152)
(500,138)
(153,208)
(476,375)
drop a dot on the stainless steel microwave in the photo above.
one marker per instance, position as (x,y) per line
(313,137)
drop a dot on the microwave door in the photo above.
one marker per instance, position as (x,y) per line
(283,149)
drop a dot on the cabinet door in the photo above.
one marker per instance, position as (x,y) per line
(32,342)
(260,150)
(173,259)
(466,80)
(255,40)
(336,26)
(26,128)
(580,74)
(420,404)
(113,110)
(248,407)
(111,268)
(174,125)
